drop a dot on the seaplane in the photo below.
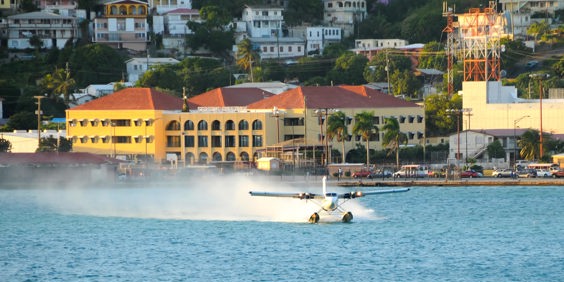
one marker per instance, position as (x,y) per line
(330,203)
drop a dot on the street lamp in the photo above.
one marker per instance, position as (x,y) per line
(515,138)
(276,114)
(39,117)
(468,113)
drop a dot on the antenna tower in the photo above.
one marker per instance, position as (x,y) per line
(449,30)
(480,31)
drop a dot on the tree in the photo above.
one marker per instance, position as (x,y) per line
(438,121)
(530,144)
(59,82)
(405,83)
(364,126)
(95,64)
(433,56)
(22,120)
(299,11)
(202,74)
(337,127)
(162,76)
(36,42)
(375,70)
(495,150)
(393,137)
(50,144)
(5,145)
(537,29)
(348,69)
(213,32)
(246,56)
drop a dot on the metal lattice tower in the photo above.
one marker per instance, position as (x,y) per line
(449,30)
(480,32)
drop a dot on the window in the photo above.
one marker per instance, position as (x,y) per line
(402,119)
(203,125)
(173,125)
(121,122)
(376,120)
(410,119)
(173,141)
(243,141)
(230,141)
(229,125)
(216,125)
(257,125)
(138,122)
(138,138)
(216,141)
(189,141)
(122,139)
(189,125)
(257,141)
(289,48)
(202,141)
(243,125)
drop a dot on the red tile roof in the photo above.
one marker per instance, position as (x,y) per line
(134,99)
(53,158)
(318,97)
(228,97)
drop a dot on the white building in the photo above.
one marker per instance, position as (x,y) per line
(136,67)
(318,38)
(345,14)
(164,6)
(25,141)
(379,43)
(54,30)
(279,48)
(172,25)
(263,21)
(94,91)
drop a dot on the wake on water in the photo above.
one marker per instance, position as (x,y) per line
(220,198)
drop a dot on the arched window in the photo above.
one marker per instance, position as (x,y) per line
(216,125)
(189,125)
(229,125)
(257,125)
(203,159)
(173,125)
(230,156)
(203,125)
(244,156)
(216,157)
(243,125)
(189,158)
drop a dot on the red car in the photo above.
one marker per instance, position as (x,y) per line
(558,173)
(361,174)
(469,174)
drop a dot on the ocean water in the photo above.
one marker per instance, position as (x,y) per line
(214,231)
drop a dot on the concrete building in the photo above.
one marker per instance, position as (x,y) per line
(172,26)
(344,14)
(232,124)
(165,6)
(123,25)
(52,29)
(136,67)
(319,37)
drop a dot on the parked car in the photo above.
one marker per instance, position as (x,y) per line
(469,174)
(361,174)
(381,174)
(543,173)
(558,173)
(527,173)
(506,172)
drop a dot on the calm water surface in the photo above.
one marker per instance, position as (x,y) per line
(185,234)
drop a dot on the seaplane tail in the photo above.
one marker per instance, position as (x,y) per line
(329,202)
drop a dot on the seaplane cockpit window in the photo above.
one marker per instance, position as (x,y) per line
(331,194)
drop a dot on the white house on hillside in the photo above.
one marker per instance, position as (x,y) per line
(319,37)
(344,14)
(54,30)
(164,6)
(136,67)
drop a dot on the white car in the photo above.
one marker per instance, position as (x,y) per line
(543,173)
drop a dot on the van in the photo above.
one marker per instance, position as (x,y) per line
(415,171)
(532,64)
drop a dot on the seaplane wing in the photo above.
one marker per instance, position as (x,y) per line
(329,202)
(301,196)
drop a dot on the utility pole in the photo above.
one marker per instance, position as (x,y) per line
(39,118)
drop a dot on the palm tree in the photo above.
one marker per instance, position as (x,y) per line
(530,145)
(60,82)
(393,137)
(364,126)
(246,56)
(337,127)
